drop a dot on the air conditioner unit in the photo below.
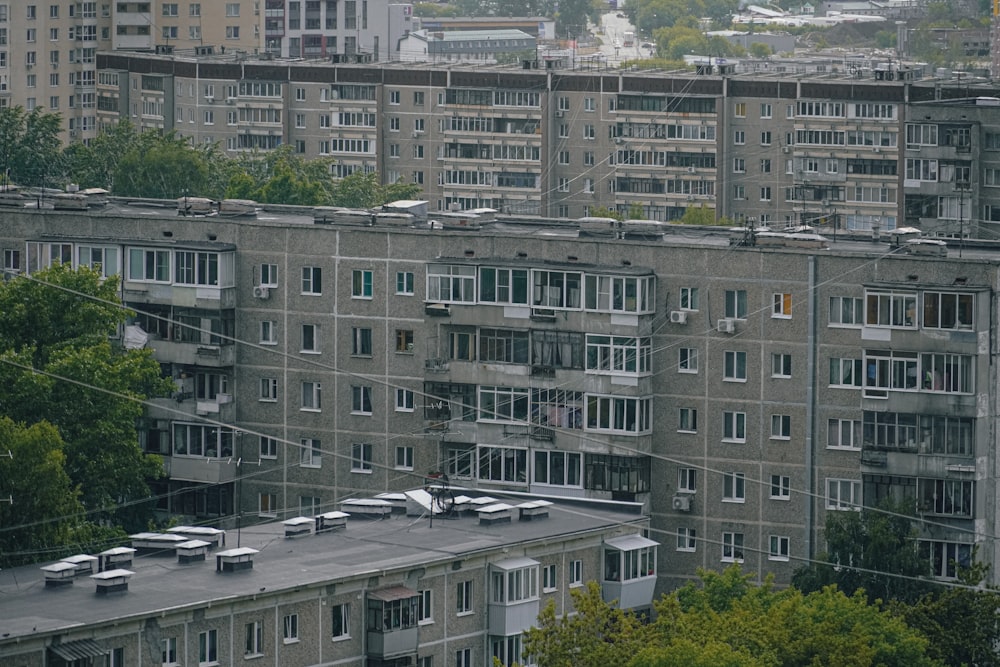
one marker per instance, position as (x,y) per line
(560,113)
(681,503)
(727,325)
(230,101)
(619,140)
(876,149)
(786,149)
(261,292)
(678,316)
(692,170)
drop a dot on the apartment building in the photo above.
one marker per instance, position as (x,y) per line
(48,51)
(348,588)
(739,389)
(782,150)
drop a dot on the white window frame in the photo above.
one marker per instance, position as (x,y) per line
(312,281)
(361,400)
(778,548)
(549,583)
(312,396)
(687,480)
(687,539)
(687,360)
(268,390)
(208,648)
(341,631)
(362,284)
(781,365)
(781,427)
(575,573)
(361,458)
(734,366)
(736,423)
(734,487)
(733,547)
(835,491)
(687,420)
(290,629)
(269,275)
(781,487)
(404,457)
(310,453)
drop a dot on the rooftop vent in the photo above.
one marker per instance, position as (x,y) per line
(232,560)
(59,574)
(83,563)
(536,509)
(146,543)
(492,514)
(371,508)
(398,501)
(112,581)
(192,551)
(298,526)
(214,536)
(115,558)
(331,521)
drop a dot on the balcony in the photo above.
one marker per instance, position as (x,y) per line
(629,571)
(193,354)
(208,296)
(514,605)
(199,469)
(392,629)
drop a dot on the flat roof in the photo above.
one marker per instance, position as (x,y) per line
(396,543)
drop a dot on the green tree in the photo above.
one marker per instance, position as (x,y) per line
(597,635)
(874,550)
(94,165)
(604,212)
(360,190)
(161,167)
(33,478)
(760,50)
(574,16)
(59,322)
(30,147)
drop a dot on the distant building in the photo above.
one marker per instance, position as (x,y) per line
(476,46)
(537,26)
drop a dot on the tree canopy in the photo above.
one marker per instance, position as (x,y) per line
(726,620)
(59,367)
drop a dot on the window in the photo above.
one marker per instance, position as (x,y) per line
(254,640)
(463,598)
(845,373)
(781,305)
(843,494)
(687,480)
(946,558)
(686,539)
(778,548)
(739,165)
(311,396)
(267,505)
(361,457)
(734,425)
(781,427)
(310,338)
(290,628)
(739,192)
(891,309)
(588,159)
(845,434)
(765,193)
(949,497)
(548,578)
(617,354)
(946,310)
(614,414)
(341,614)
(447,283)
(732,547)
(148,265)
(575,573)
(268,389)
(765,140)
(268,333)
(736,304)
(503,464)
(781,487)
(312,280)
(361,284)
(268,447)
(781,365)
(310,453)
(361,342)
(404,458)
(740,109)
(404,400)
(208,647)
(463,657)
(765,110)
(404,282)
(503,346)
(688,421)
(612,293)
(425,608)
(269,275)
(739,137)
(734,366)
(169,652)
(558,468)
(361,400)
(687,360)
(502,285)
(734,487)
(689,298)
